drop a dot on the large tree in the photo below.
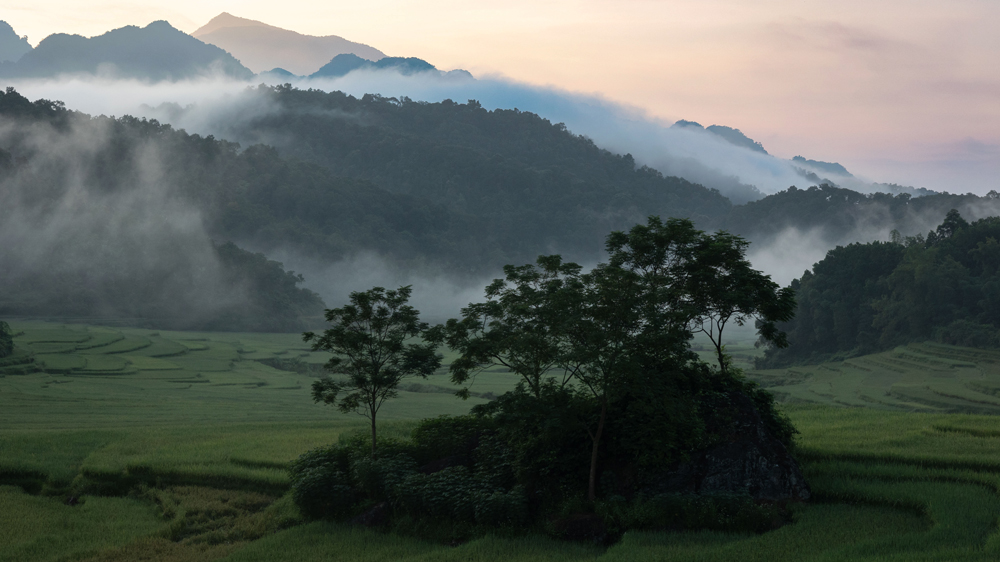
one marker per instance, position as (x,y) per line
(377,340)
(702,281)
(6,340)
(605,330)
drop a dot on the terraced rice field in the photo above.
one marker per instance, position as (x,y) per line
(924,377)
(189,435)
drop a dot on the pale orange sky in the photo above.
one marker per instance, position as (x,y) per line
(899,90)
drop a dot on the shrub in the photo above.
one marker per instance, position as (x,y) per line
(502,508)
(380,478)
(323,491)
(450,493)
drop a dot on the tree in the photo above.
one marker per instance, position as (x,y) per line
(6,340)
(368,340)
(603,331)
(602,334)
(637,313)
(521,326)
(725,287)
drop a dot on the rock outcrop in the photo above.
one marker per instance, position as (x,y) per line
(749,460)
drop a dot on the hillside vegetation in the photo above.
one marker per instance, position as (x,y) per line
(870,297)
(445,189)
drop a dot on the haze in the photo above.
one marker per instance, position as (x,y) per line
(899,91)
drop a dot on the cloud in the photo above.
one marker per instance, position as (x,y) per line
(209,104)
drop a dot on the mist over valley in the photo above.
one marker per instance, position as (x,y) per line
(499,282)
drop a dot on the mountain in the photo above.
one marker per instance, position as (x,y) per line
(340,65)
(731,135)
(156,52)
(262,47)
(12,46)
(528,185)
(827,167)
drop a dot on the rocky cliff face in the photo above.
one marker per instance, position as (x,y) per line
(749,460)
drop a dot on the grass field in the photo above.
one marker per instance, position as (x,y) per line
(198,429)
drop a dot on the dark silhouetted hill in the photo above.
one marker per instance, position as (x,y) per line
(341,65)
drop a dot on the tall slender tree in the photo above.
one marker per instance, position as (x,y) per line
(377,340)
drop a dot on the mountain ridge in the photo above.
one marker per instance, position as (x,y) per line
(156,52)
(262,47)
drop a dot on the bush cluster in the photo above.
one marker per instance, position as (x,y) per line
(516,463)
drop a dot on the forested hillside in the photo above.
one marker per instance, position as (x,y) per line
(529,184)
(123,217)
(839,213)
(864,298)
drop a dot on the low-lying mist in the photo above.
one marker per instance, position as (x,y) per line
(65,226)
(86,245)
(213,106)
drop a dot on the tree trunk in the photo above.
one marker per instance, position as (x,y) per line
(722,359)
(592,486)
(373,435)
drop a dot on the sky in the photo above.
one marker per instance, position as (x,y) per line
(897,91)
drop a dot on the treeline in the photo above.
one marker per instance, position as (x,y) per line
(864,298)
(837,214)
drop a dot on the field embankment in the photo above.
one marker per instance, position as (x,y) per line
(180,442)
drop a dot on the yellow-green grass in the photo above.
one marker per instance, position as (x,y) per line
(889,484)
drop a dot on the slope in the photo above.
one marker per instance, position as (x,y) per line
(155,53)
(262,47)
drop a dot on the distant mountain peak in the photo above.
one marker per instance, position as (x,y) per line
(12,46)
(828,167)
(260,46)
(729,134)
(225,19)
(343,64)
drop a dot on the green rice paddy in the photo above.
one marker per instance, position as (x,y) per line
(189,434)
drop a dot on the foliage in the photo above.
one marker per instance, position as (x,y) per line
(864,298)
(367,341)
(274,303)
(586,340)
(523,184)
(6,340)
(519,327)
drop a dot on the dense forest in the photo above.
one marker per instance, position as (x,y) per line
(863,298)
(115,204)
(522,176)
(528,184)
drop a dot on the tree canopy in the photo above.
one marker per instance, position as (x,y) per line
(368,342)
(863,298)
(602,332)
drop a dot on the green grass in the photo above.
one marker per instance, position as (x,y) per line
(901,449)
(44,528)
(913,378)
